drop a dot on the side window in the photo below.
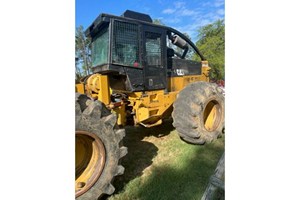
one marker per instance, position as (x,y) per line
(153,49)
(179,47)
(125,49)
(191,54)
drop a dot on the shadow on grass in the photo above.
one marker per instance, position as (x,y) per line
(186,182)
(140,153)
(185,176)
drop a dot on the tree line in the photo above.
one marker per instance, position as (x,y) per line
(83,62)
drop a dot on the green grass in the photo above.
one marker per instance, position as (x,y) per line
(159,165)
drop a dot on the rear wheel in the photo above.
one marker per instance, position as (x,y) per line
(97,149)
(199,113)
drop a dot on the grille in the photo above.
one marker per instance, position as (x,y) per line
(125,46)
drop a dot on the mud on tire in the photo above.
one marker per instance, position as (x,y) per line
(198,113)
(95,129)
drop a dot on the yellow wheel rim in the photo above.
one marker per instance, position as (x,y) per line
(90,161)
(212,115)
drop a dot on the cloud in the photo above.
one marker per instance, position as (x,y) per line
(206,4)
(146,9)
(193,16)
(221,12)
(172,20)
(192,28)
(219,3)
(180,9)
(160,2)
(179,4)
(187,12)
(168,11)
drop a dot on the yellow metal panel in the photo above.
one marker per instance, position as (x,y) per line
(205,71)
(98,87)
(142,114)
(79,88)
(150,106)
(178,83)
(93,83)
(121,113)
(104,94)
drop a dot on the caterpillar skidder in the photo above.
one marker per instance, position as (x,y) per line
(142,73)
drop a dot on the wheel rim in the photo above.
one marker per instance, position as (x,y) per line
(90,161)
(212,115)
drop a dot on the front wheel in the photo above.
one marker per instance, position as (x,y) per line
(198,113)
(98,149)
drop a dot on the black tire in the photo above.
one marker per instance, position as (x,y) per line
(95,125)
(190,113)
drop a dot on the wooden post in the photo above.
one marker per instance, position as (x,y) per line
(215,181)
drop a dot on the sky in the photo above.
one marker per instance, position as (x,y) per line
(183,15)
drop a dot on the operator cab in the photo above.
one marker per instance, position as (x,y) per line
(139,55)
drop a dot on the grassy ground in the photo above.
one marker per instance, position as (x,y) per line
(159,165)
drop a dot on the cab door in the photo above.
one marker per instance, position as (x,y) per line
(155,74)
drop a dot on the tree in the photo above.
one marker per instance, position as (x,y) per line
(82,50)
(212,43)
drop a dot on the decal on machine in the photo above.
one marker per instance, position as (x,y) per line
(179,72)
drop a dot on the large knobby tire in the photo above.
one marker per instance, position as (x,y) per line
(198,113)
(98,149)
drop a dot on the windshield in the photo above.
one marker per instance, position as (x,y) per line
(100,48)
